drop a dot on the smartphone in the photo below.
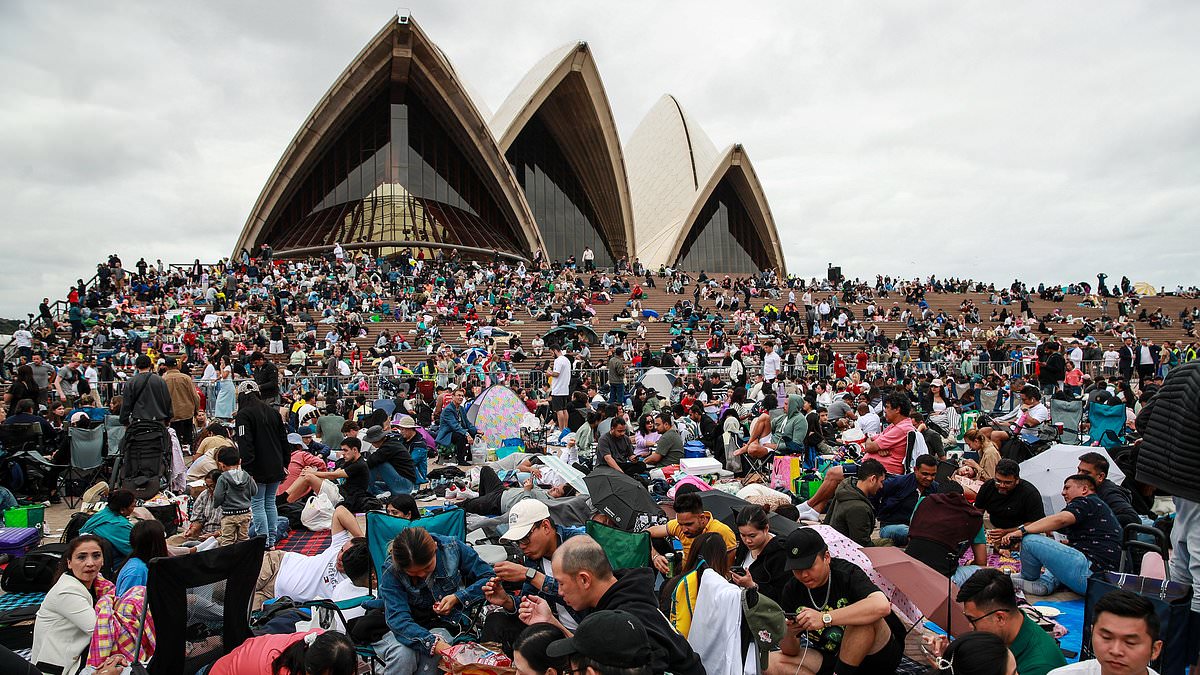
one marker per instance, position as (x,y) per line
(740,571)
(790,616)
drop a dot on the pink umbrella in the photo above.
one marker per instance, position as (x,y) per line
(932,593)
(841,546)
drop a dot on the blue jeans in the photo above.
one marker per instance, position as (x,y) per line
(401,660)
(7,500)
(387,478)
(420,457)
(897,532)
(616,393)
(262,511)
(963,573)
(1185,540)
(1063,564)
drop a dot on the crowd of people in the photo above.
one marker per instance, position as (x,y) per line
(258,371)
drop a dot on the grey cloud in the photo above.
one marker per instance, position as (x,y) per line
(973,139)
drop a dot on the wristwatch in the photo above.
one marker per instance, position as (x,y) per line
(1021,529)
(826,618)
(530,573)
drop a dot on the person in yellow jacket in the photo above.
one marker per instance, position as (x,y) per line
(708,551)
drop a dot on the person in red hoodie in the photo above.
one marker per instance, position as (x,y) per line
(314,652)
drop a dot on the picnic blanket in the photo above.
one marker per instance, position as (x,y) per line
(1071,618)
(1011,560)
(305,542)
(17,607)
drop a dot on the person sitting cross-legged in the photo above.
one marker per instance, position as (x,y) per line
(426,585)
(847,621)
(898,498)
(1093,534)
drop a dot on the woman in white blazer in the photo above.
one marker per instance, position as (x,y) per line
(67,617)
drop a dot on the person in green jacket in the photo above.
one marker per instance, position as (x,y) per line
(851,512)
(112,522)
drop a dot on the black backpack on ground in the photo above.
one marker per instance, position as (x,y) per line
(144,453)
(34,572)
(74,524)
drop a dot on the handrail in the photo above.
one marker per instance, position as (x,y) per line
(56,310)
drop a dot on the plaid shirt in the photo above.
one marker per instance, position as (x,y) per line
(203,511)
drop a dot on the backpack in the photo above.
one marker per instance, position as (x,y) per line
(74,525)
(34,572)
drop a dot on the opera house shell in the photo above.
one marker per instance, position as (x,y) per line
(398,155)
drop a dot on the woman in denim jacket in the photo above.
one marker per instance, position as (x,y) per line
(427,583)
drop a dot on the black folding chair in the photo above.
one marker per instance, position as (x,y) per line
(201,605)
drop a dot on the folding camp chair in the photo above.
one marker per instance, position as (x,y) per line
(22,437)
(760,465)
(330,615)
(87,461)
(1107,424)
(382,528)
(624,550)
(115,436)
(201,605)
(914,447)
(989,400)
(1070,415)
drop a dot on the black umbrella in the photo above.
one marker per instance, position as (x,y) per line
(725,506)
(622,498)
(575,334)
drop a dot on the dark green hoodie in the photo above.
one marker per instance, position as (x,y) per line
(851,513)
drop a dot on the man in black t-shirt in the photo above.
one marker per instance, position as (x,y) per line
(846,621)
(1093,536)
(356,484)
(1008,500)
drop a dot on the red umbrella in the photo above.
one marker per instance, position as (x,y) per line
(931,592)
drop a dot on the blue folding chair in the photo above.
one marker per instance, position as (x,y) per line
(1108,424)
(382,529)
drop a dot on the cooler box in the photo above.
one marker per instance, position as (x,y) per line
(31,515)
(694,450)
(698,466)
(17,541)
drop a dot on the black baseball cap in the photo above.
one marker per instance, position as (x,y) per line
(608,637)
(803,547)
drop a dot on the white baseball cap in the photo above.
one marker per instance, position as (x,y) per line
(522,517)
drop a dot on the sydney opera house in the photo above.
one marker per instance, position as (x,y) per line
(399,154)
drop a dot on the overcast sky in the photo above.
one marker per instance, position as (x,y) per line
(1046,141)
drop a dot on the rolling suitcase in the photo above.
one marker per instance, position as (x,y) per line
(17,541)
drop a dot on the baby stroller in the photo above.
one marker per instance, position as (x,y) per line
(142,466)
